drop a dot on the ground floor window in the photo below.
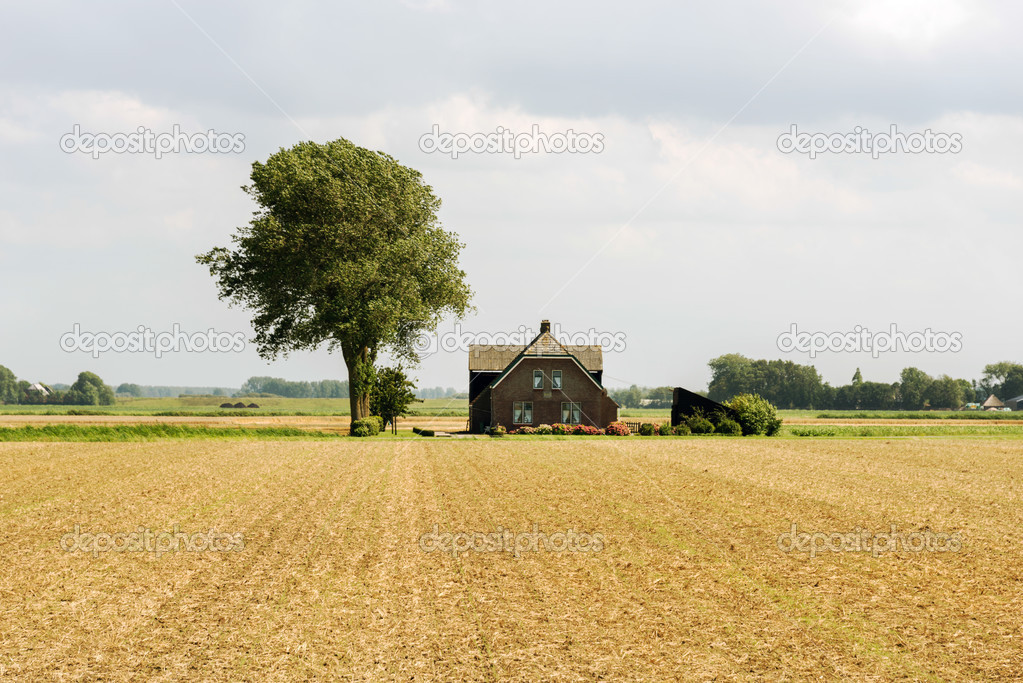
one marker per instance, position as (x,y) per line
(571,413)
(522,412)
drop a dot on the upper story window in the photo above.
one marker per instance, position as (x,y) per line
(538,379)
(556,379)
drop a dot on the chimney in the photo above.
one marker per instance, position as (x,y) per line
(545,326)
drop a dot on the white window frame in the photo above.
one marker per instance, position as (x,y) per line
(520,412)
(575,413)
(556,382)
(537,374)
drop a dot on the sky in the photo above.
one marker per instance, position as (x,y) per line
(696,221)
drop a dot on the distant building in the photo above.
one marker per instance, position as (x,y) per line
(993,402)
(1015,403)
(39,388)
(543,382)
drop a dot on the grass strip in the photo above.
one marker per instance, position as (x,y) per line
(152,432)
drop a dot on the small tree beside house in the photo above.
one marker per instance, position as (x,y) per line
(392,395)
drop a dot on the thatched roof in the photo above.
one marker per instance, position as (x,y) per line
(495,358)
(993,402)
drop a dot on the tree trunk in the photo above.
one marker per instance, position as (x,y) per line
(355,405)
(360,380)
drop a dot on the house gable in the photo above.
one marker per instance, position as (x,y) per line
(502,376)
(547,403)
(567,357)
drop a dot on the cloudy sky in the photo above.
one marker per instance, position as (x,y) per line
(688,233)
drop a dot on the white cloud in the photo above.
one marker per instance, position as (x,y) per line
(911,24)
(976,174)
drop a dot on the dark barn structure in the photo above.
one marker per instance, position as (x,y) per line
(684,403)
(543,382)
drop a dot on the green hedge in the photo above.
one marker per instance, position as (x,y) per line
(368,426)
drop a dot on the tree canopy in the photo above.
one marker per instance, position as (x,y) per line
(8,386)
(345,250)
(790,385)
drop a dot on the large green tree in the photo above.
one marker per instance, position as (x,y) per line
(1012,385)
(731,375)
(946,393)
(8,386)
(995,375)
(89,390)
(914,385)
(346,250)
(1003,379)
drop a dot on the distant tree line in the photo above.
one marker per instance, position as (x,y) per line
(88,390)
(328,388)
(790,385)
(437,392)
(147,391)
(642,397)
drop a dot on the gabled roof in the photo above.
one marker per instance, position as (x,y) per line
(544,345)
(495,358)
(993,402)
(523,356)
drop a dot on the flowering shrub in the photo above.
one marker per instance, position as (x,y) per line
(558,428)
(664,429)
(586,430)
(617,429)
(681,429)
(498,431)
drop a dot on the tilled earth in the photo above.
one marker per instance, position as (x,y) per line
(335,578)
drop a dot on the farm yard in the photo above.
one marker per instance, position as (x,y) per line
(689,579)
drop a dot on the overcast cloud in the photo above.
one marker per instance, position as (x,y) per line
(690,232)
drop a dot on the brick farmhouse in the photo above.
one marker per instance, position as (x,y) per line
(543,382)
